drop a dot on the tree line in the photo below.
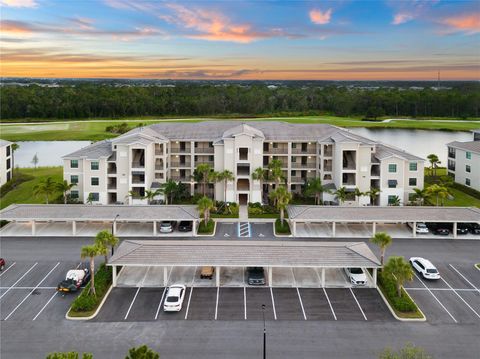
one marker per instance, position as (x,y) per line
(92,100)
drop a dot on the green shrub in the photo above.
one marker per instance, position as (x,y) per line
(403,303)
(282,229)
(86,302)
(206,229)
(254,211)
(470,191)
(69,355)
(142,352)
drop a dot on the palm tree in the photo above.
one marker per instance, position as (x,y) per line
(90,198)
(46,188)
(438,191)
(205,205)
(131,194)
(64,187)
(395,201)
(373,194)
(142,352)
(91,252)
(282,197)
(382,240)
(420,195)
(225,176)
(260,175)
(105,239)
(434,162)
(150,195)
(341,194)
(358,193)
(400,270)
(276,173)
(202,173)
(316,188)
(169,190)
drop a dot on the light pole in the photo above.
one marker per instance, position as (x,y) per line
(113,227)
(264,333)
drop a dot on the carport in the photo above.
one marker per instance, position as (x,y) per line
(363,222)
(87,220)
(276,257)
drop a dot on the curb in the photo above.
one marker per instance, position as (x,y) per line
(96,311)
(424,319)
(476,267)
(280,235)
(209,235)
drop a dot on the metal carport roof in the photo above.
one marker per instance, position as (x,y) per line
(382,214)
(243,254)
(77,212)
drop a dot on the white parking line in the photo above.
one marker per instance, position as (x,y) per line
(273,304)
(23,276)
(301,304)
(245,302)
(459,296)
(443,289)
(40,288)
(43,308)
(30,293)
(6,270)
(188,304)
(359,306)
(160,304)
(456,270)
(131,304)
(216,305)
(330,304)
(434,296)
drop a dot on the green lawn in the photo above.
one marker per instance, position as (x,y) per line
(23,192)
(94,130)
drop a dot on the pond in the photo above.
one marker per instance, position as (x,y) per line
(49,153)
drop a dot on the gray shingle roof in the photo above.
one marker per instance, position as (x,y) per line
(244,253)
(66,212)
(384,151)
(383,214)
(471,146)
(94,151)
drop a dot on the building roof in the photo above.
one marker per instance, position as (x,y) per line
(94,151)
(235,253)
(384,151)
(383,214)
(4,143)
(471,146)
(70,212)
(243,129)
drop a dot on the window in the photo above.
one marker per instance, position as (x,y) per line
(467,181)
(74,194)
(294,145)
(468,155)
(8,164)
(275,145)
(413,166)
(294,159)
(94,165)
(412,181)
(74,179)
(392,199)
(73,163)
(392,168)
(467,168)
(94,181)
(8,151)
(392,183)
(294,173)
(211,158)
(95,196)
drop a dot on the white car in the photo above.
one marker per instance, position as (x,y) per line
(425,267)
(166,227)
(356,275)
(420,227)
(174,299)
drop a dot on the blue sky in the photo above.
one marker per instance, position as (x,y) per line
(340,40)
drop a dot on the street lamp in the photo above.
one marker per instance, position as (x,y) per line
(113,226)
(264,333)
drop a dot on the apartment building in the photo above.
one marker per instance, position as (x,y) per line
(144,158)
(463,161)
(6,161)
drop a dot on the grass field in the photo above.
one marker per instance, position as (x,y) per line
(23,192)
(94,130)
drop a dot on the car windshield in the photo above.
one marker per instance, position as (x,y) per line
(421,225)
(166,224)
(432,271)
(172,299)
(356,270)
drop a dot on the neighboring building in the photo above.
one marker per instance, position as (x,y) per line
(464,161)
(6,161)
(146,157)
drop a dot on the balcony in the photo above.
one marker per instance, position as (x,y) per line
(375,171)
(327,150)
(349,162)
(304,165)
(112,186)
(138,179)
(327,166)
(243,185)
(183,147)
(204,150)
(243,154)
(243,170)
(180,164)
(112,169)
(311,150)
(451,154)
(298,179)
(348,179)
(274,149)
(180,178)
(451,167)
(208,162)
(138,164)
(159,167)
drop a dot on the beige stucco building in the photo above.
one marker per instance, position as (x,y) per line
(6,161)
(463,161)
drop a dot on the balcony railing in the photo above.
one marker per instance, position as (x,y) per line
(304,165)
(276,151)
(112,171)
(159,167)
(204,149)
(180,164)
(451,167)
(180,150)
(298,179)
(138,180)
(197,162)
(112,186)
(451,154)
(328,153)
(308,151)
(181,178)
(138,164)
(158,153)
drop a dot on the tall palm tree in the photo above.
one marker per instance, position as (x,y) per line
(401,271)
(276,173)
(91,252)
(382,240)
(373,193)
(205,205)
(358,193)
(150,195)
(434,162)
(282,198)
(202,173)
(341,194)
(440,192)
(420,195)
(316,188)
(260,175)
(65,188)
(169,190)
(225,176)
(105,239)
(46,188)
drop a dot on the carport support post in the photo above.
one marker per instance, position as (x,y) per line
(114,276)
(323,277)
(194,228)
(217,276)
(374,228)
(294,228)
(165,276)
(114,227)
(454,229)
(374,277)
(74,228)
(155,228)
(333,229)
(33,227)
(270,276)
(414,229)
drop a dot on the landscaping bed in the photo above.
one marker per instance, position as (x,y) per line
(282,229)
(85,304)
(206,229)
(257,210)
(225,210)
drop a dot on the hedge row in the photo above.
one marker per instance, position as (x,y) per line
(206,229)
(470,191)
(402,304)
(282,229)
(86,302)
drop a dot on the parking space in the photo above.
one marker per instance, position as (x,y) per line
(28,291)
(455,298)
(226,230)
(261,230)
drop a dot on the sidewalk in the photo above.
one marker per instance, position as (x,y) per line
(243,213)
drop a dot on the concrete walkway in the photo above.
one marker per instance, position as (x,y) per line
(243,213)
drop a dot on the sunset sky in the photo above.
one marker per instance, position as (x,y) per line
(314,40)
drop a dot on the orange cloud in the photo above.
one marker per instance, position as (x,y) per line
(15,27)
(19,3)
(469,23)
(402,18)
(320,18)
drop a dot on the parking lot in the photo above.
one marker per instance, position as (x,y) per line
(455,298)
(28,291)
(146,304)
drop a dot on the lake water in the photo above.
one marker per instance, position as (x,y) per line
(417,142)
